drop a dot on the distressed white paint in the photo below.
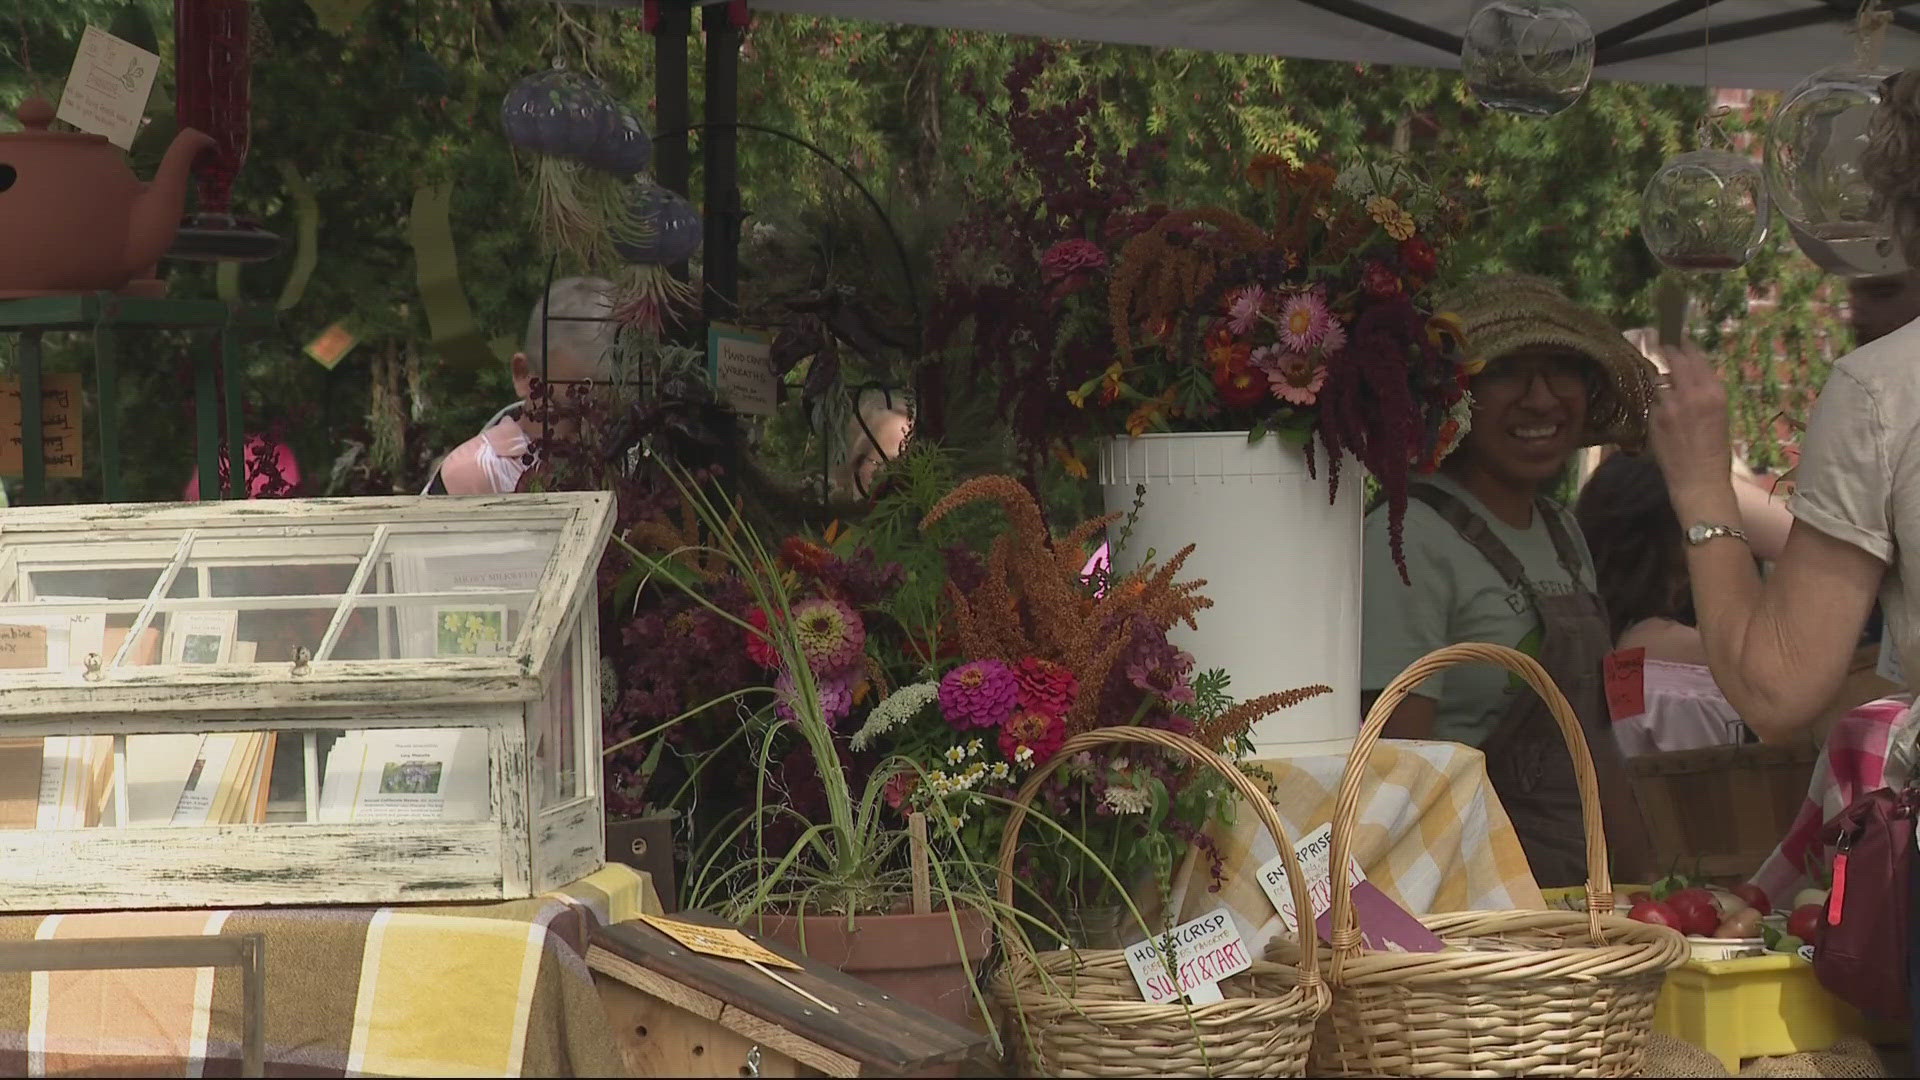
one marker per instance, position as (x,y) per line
(520,848)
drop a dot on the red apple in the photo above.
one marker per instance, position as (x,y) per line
(1641,897)
(1698,919)
(1755,896)
(1805,921)
(1655,913)
(1689,895)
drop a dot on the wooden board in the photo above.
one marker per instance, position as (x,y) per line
(870,1035)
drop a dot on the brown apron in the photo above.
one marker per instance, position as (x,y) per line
(1527,759)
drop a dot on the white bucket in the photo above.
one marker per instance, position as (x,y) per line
(1282,567)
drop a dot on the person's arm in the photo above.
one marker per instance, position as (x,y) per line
(1778,650)
(1764,517)
(1411,719)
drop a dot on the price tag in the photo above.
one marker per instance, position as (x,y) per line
(332,346)
(1190,960)
(721,941)
(107,89)
(1315,855)
(1626,682)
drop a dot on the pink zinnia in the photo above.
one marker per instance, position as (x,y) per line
(1244,309)
(1045,687)
(830,634)
(982,694)
(1297,379)
(1304,320)
(1070,257)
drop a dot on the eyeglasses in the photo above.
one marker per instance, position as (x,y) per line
(1565,376)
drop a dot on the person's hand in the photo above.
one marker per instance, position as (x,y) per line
(1689,423)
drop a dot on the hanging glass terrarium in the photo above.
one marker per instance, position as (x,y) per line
(1527,57)
(659,229)
(1814,174)
(587,145)
(1705,210)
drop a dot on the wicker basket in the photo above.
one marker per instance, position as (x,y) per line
(1518,993)
(1078,1012)
(1718,811)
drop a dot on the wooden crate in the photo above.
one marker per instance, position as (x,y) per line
(127,621)
(1722,807)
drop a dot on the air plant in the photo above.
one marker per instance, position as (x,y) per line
(658,230)
(587,146)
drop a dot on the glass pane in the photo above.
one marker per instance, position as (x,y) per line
(470,593)
(555,735)
(244,777)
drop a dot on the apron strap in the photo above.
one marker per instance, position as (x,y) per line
(1475,531)
(1563,545)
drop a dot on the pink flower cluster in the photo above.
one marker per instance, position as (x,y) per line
(1026,703)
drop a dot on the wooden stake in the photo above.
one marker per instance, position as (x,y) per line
(917,852)
(782,980)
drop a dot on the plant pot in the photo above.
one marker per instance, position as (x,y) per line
(912,957)
(1281,563)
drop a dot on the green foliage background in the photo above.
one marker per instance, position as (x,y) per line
(409,95)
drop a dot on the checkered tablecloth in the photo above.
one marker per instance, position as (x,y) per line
(1431,834)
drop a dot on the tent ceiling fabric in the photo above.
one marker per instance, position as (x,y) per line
(1755,44)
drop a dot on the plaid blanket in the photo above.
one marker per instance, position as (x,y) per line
(461,990)
(1870,747)
(1431,834)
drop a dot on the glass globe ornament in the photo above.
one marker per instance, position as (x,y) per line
(1705,210)
(1814,173)
(1527,57)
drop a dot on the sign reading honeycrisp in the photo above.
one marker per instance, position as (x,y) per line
(1190,960)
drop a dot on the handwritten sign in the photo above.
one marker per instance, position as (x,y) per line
(23,647)
(741,365)
(1190,960)
(107,89)
(1626,682)
(332,346)
(721,941)
(1384,925)
(60,432)
(1315,853)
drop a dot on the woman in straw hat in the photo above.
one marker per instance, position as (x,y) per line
(1779,648)
(1491,558)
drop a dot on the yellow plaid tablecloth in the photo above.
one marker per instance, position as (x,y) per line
(1431,834)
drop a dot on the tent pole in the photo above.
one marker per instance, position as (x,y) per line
(1368,15)
(671,21)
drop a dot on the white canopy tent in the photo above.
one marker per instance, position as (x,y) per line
(1753,44)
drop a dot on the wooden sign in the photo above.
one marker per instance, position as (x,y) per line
(721,941)
(60,431)
(22,647)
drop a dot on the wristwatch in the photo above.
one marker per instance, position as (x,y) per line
(1700,534)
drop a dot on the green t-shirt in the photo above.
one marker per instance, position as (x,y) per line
(1456,595)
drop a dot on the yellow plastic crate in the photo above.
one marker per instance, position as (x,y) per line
(1757,1006)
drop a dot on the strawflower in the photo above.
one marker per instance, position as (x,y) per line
(982,694)
(1304,320)
(1243,308)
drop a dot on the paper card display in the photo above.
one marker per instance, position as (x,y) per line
(1190,960)
(332,346)
(107,89)
(60,431)
(741,365)
(200,637)
(1384,925)
(470,630)
(22,646)
(1626,683)
(721,941)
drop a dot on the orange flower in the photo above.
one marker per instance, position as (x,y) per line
(1142,418)
(1070,462)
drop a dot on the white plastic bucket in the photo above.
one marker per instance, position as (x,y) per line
(1282,567)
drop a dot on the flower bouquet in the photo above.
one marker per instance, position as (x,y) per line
(1316,329)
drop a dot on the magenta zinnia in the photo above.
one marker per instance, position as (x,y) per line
(830,633)
(981,694)
(1304,319)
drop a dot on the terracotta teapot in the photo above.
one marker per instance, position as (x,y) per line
(72,216)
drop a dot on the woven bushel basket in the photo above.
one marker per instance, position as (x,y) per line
(1517,993)
(1078,1012)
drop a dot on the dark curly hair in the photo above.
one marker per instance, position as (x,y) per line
(1639,559)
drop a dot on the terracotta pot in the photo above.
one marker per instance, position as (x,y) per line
(913,957)
(72,216)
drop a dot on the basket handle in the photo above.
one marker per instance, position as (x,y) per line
(1346,932)
(1167,740)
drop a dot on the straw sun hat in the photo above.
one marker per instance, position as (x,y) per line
(1505,314)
